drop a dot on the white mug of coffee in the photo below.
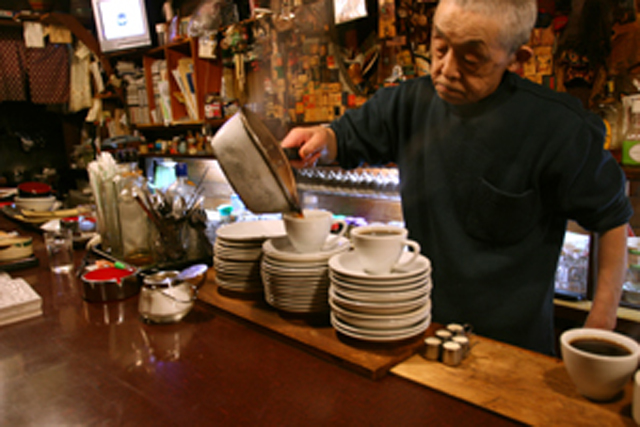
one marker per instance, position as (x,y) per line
(379,248)
(599,362)
(310,231)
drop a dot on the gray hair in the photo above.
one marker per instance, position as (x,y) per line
(518,18)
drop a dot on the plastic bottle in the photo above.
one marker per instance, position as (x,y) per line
(238,208)
(182,186)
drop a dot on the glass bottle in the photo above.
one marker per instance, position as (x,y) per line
(134,223)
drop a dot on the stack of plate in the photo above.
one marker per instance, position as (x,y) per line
(237,253)
(380,308)
(297,282)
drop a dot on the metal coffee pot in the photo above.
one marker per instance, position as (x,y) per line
(255,164)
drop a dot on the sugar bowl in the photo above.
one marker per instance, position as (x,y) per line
(168,296)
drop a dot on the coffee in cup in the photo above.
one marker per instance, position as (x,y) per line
(379,247)
(599,362)
(310,231)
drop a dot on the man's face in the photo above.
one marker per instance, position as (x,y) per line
(467,59)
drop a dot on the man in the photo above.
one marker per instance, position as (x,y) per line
(492,166)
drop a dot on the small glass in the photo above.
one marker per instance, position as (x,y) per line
(59,244)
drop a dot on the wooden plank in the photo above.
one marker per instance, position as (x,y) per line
(314,334)
(526,386)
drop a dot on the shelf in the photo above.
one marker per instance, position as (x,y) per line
(176,126)
(632,172)
(177,156)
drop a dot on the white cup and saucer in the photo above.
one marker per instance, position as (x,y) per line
(381,250)
(311,232)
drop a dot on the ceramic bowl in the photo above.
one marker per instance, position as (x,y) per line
(35,203)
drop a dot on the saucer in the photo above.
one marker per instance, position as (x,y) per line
(240,285)
(377,283)
(390,296)
(342,283)
(295,272)
(237,255)
(377,307)
(370,335)
(381,321)
(278,263)
(252,230)
(281,248)
(348,264)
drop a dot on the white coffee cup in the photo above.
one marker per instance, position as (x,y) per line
(598,377)
(310,232)
(635,402)
(379,247)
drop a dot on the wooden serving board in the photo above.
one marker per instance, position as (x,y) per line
(314,334)
(522,385)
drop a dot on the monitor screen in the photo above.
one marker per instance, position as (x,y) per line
(121,24)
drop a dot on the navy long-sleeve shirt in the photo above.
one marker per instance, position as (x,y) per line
(487,190)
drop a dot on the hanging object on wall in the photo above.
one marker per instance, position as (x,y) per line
(349,10)
(41,5)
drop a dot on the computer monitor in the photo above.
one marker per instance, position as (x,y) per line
(121,24)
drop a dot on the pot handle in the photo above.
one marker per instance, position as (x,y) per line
(292,153)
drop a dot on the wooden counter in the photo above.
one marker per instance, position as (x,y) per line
(97,364)
(89,363)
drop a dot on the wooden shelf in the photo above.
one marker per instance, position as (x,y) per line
(632,172)
(177,126)
(177,156)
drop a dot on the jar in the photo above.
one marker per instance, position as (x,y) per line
(163,301)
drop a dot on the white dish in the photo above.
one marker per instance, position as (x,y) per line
(379,336)
(8,192)
(389,297)
(281,249)
(385,307)
(239,255)
(347,264)
(279,284)
(239,244)
(252,230)
(380,325)
(232,277)
(240,286)
(294,294)
(235,264)
(296,273)
(379,289)
(38,204)
(380,283)
(298,307)
(389,321)
(294,265)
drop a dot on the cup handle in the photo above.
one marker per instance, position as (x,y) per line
(333,239)
(415,246)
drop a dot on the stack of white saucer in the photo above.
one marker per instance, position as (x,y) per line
(380,308)
(237,254)
(298,282)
